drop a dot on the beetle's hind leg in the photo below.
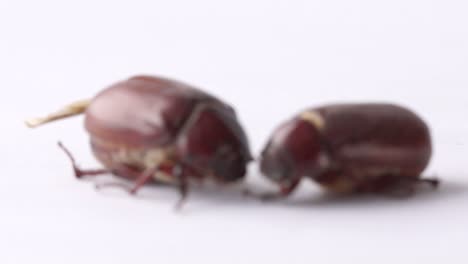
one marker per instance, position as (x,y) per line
(403,187)
(433,182)
(141,179)
(284,192)
(80,172)
(181,175)
(178,172)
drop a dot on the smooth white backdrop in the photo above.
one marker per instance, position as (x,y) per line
(269,59)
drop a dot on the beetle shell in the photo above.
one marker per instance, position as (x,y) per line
(349,148)
(147,121)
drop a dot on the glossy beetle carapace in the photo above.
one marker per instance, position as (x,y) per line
(350,148)
(150,128)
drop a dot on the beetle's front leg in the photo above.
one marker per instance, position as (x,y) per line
(433,182)
(406,186)
(285,191)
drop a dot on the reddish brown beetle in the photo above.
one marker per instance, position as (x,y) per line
(350,148)
(150,128)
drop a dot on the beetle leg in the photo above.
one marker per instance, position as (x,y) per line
(143,178)
(285,191)
(79,172)
(433,182)
(181,175)
(400,191)
(406,186)
(410,184)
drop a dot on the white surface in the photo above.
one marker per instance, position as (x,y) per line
(269,59)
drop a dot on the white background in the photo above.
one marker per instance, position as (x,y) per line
(269,59)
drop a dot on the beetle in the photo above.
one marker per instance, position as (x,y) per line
(149,128)
(350,148)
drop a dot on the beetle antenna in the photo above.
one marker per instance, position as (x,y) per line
(433,182)
(72,109)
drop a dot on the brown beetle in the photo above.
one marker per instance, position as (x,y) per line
(350,148)
(150,128)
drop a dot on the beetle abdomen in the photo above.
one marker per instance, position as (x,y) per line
(372,144)
(142,111)
(376,136)
(130,162)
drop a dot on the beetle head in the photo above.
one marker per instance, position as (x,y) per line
(291,152)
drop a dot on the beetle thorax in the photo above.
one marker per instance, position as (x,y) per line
(313,118)
(295,150)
